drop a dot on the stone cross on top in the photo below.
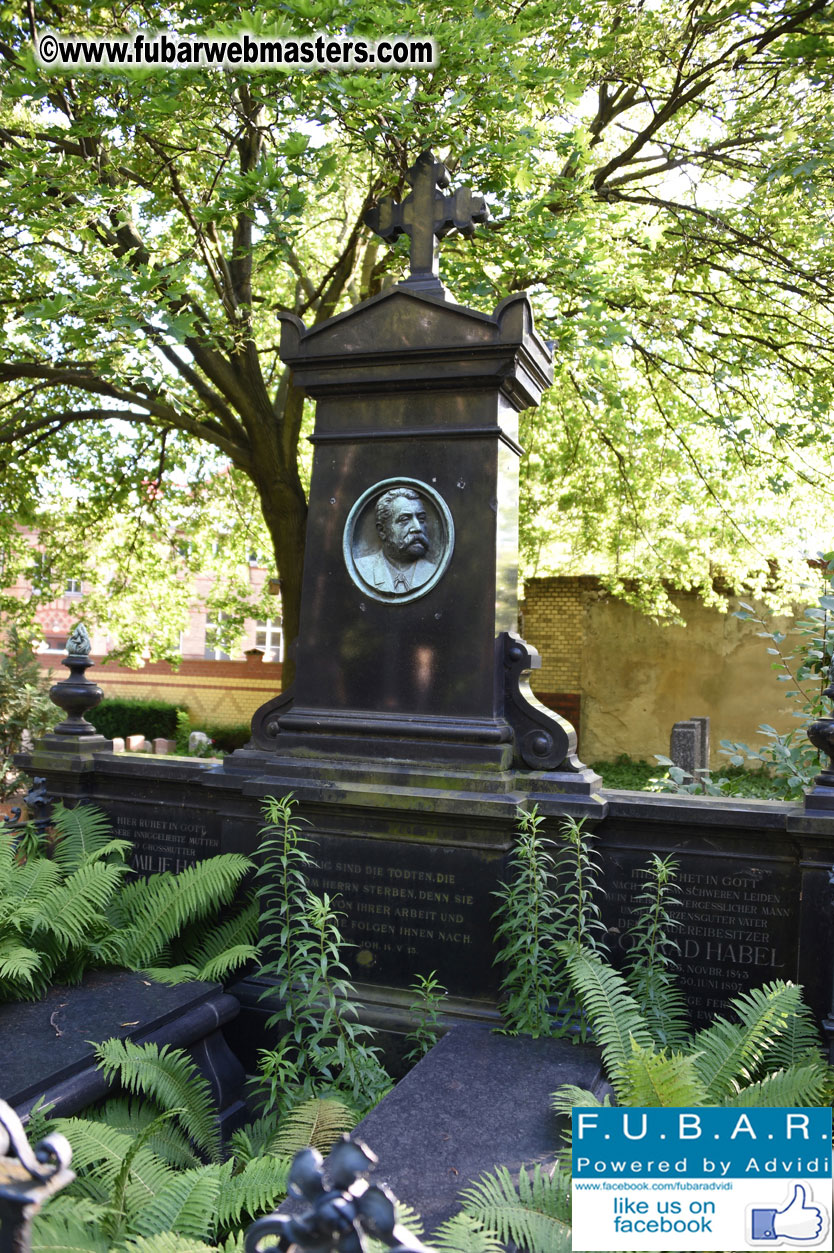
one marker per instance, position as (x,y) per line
(426,215)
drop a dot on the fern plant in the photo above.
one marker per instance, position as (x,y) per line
(150,1170)
(770,1055)
(324,1045)
(66,907)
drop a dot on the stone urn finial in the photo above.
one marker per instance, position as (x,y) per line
(77,694)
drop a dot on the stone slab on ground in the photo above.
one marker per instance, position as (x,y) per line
(47,1050)
(476,1101)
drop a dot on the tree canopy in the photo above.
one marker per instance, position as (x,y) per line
(659,179)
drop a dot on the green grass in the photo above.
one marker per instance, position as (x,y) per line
(644,776)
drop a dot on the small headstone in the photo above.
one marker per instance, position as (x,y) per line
(162,746)
(689,746)
(197,742)
(147,747)
(135,743)
(118,744)
(703,727)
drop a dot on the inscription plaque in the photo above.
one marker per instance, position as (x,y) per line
(411,909)
(739,921)
(164,837)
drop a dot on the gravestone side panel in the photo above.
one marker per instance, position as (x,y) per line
(739,915)
(413,908)
(433,655)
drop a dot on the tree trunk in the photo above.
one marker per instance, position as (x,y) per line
(285,513)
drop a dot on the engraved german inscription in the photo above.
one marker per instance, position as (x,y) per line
(166,839)
(403,920)
(737,925)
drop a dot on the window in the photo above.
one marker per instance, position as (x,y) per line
(73,587)
(209,652)
(41,574)
(270,637)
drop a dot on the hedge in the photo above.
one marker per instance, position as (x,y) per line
(228,737)
(125,715)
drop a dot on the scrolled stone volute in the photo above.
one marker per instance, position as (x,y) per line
(543,740)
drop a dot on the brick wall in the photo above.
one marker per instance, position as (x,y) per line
(552,615)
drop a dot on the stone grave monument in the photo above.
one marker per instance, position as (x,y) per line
(411,735)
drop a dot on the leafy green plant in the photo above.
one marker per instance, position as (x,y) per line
(769,1056)
(151,1174)
(789,756)
(25,707)
(182,733)
(66,907)
(429,994)
(650,965)
(324,1045)
(787,761)
(550,896)
(533,1213)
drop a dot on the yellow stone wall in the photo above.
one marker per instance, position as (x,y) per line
(636,678)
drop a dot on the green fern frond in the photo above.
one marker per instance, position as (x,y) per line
(167,1142)
(799,1037)
(169,1077)
(8,859)
(165,1242)
(534,1214)
(19,965)
(465,1234)
(663,1006)
(72,1208)
(32,883)
(318,1122)
(728,1055)
(254,1139)
(233,1243)
(187,1204)
(237,932)
(798,1085)
(255,1191)
(82,832)
(613,1013)
(157,911)
(98,1154)
(115,1220)
(58,1233)
(662,1079)
(79,903)
(569,1097)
